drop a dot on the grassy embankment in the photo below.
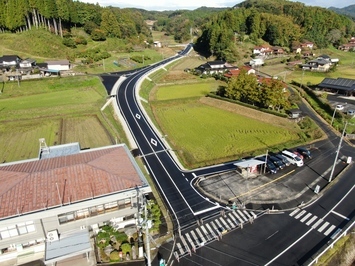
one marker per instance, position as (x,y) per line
(204,131)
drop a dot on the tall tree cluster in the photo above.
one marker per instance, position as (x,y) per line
(279,22)
(56,15)
(269,93)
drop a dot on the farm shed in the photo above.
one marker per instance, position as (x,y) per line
(248,168)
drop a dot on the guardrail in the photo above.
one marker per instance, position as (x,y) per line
(337,235)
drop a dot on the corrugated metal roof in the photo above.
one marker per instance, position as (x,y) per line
(339,83)
(34,185)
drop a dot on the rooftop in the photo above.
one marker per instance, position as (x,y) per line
(33,185)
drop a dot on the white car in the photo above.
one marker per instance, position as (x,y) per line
(339,107)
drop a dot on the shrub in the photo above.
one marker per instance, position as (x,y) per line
(69,42)
(126,248)
(80,40)
(98,35)
(115,255)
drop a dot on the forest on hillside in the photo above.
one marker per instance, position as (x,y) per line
(278,22)
(59,16)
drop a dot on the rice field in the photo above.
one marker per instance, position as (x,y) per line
(202,134)
(60,110)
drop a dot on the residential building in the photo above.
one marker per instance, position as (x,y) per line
(58,65)
(53,203)
(213,67)
(319,65)
(8,61)
(262,50)
(235,72)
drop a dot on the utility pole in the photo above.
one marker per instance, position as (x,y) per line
(337,153)
(147,245)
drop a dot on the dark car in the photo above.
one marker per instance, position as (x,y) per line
(277,162)
(304,152)
(270,167)
(281,157)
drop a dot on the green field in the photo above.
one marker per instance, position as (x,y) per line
(202,134)
(171,92)
(61,110)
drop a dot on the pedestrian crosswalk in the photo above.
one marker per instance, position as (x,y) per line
(312,220)
(211,230)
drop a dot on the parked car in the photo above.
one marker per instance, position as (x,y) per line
(298,154)
(305,152)
(283,158)
(350,112)
(292,158)
(270,167)
(339,107)
(277,162)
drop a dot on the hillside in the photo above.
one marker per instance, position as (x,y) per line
(348,10)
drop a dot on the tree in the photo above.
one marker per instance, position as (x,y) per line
(109,24)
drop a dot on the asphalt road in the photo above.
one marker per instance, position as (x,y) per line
(267,241)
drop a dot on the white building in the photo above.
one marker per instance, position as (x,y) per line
(56,201)
(58,65)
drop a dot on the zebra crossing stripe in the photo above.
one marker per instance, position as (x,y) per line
(233,219)
(231,223)
(323,227)
(180,248)
(184,243)
(311,220)
(300,214)
(294,212)
(329,230)
(247,214)
(201,236)
(219,225)
(195,237)
(254,215)
(190,241)
(242,215)
(305,217)
(205,232)
(214,226)
(317,223)
(224,223)
(212,232)
(240,219)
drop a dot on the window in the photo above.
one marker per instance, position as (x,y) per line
(17,229)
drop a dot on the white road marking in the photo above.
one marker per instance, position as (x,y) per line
(240,219)
(311,220)
(329,230)
(305,217)
(294,212)
(323,227)
(340,215)
(242,215)
(186,179)
(317,223)
(138,116)
(201,236)
(300,214)
(154,142)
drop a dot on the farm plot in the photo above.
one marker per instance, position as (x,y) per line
(211,134)
(20,141)
(88,131)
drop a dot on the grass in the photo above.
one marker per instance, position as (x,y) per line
(61,110)
(171,92)
(211,134)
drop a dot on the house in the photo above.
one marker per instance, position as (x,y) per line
(27,63)
(277,50)
(306,45)
(256,62)
(53,203)
(352,40)
(339,85)
(296,49)
(9,61)
(235,72)
(320,65)
(58,65)
(347,47)
(213,67)
(157,44)
(262,50)
(294,113)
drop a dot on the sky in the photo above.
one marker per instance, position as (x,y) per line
(161,5)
